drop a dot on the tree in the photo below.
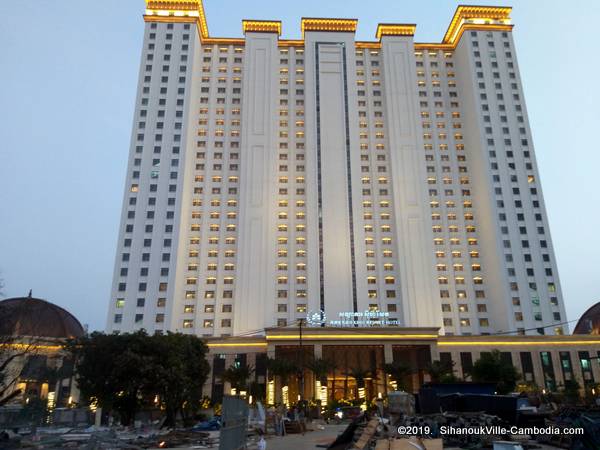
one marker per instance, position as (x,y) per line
(283,368)
(571,392)
(441,372)
(320,368)
(493,368)
(14,350)
(398,371)
(125,372)
(238,375)
(359,374)
(180,370)
(11,352)
(113,370)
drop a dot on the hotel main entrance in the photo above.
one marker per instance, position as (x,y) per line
(335,365)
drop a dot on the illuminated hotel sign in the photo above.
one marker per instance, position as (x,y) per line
(351,319)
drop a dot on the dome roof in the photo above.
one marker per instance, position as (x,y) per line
(589,323)
(28,316)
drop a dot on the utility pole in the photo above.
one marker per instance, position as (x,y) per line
(300,323)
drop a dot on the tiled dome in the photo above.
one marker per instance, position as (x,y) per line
(28,316)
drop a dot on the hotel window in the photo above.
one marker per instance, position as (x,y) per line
(208,323)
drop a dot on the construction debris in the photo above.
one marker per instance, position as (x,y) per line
(456,421)
(383,434)
(106,438)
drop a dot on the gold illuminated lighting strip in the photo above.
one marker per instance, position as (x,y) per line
(33,346)
(339,25)
(395,29)
(177,11)
(245,344)
(477,15)
(465,18)
(355,336)
(203,24)
(262,26)
(291,43)
(515,343)
(223,41)
(366,44)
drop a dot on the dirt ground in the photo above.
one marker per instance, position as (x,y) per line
(321,437)
(309,441)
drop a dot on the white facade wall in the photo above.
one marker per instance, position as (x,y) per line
(293,179)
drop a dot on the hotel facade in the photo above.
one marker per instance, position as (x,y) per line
(388,188)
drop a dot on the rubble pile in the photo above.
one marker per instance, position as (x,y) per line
(589,420)
(382,434)
(107,438)
(458,421)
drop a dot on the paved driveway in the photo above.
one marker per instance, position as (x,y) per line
(307,442)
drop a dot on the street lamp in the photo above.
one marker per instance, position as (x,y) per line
(301,359)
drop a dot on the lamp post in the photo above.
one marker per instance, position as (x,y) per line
(300,323)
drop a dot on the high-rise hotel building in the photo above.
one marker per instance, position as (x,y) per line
(271,180)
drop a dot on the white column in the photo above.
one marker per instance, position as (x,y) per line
(333,173)
(255,287)
(414,238)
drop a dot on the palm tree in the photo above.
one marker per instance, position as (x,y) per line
(359,374)
(398,371)
(238,376)
(320,368)
(280,367)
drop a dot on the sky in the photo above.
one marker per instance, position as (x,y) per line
(68,75)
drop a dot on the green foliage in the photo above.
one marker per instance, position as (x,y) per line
(279,367)
(571,392)
(238,375)
(125,372)
(359,374)
(257,391)
(9,355)
(34,412)
(398,371)
(320,368)
(492,368)
(180,370)
(442,372)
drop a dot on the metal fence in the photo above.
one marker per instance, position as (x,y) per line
(234,423)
